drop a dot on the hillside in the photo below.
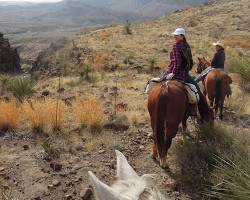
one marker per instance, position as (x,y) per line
(85,98)
(152,39)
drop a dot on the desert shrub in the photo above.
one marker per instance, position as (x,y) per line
(21,88)
(87,73)
(195,156)
(3,82)
(9,115)
(127,28)
(37,115)
(152,63)
(55,108)
(242,66)
(231,177)
(89,113)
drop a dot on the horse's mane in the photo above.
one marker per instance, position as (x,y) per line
(129,186)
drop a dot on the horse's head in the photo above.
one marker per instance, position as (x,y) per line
(202,65)
(129,186)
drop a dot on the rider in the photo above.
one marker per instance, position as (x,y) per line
(217,62)
(176,69)
(219,57)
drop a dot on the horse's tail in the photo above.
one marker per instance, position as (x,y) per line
(218,85)
(161,119)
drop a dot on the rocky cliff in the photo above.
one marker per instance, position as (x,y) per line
(9,57)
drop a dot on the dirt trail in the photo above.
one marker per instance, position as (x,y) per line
(25,171)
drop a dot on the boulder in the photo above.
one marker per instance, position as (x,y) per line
(118,123)
(9,57)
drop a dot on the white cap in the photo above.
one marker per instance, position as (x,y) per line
(218,43)
(179,31)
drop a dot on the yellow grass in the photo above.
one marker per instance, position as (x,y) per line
(44,114)
(56,113)
(89,113)
(9,115)
(36,113)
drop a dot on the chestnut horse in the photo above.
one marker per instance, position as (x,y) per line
(168,107)
(216,85)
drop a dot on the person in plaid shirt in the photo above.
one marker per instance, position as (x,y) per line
(176,70)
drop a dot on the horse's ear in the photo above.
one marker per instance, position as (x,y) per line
(102,191)
(124,170)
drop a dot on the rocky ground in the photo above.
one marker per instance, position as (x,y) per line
(27,172)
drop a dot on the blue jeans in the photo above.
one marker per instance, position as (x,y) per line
(189,79)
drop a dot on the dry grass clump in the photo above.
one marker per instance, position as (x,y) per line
(9,115)
(44,114)
(89,113)
(56,109)
(239,101)
(37,115)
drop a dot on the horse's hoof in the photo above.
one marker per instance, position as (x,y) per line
(154,157)
(163,163)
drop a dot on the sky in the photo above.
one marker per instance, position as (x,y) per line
(31,0)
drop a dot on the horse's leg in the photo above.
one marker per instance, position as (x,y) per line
(221,108)
(171,132)
(154,152)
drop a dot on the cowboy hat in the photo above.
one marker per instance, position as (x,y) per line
(179,31)
(218,43)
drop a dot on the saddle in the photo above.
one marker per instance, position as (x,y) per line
(192,92)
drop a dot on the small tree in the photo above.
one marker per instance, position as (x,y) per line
(128,28)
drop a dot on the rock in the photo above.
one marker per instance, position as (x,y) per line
(101,151)
(25,147)
(9,57)
(2,169)
(56,166)
(79,147)
(60,90)
(45,93)
(86,194)
(141,147)
(56,183)
(68,196)
(120,123)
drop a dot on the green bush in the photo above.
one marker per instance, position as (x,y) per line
(87,74)
(21,87)
(195,156)
(3,82)
(241,66)
(231,177)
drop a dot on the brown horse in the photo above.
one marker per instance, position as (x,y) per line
(168,107)
(216,85)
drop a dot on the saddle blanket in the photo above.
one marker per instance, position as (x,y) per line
(192,92)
